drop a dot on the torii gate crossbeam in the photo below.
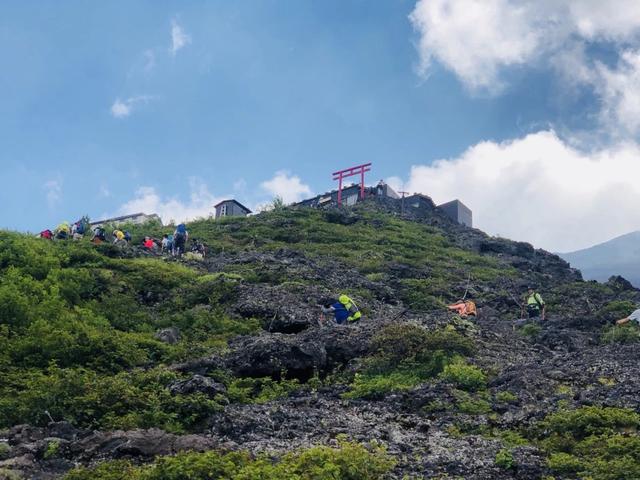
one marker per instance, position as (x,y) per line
(350,172)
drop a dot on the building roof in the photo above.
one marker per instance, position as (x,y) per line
(232,201)
(453,202)
(124,217)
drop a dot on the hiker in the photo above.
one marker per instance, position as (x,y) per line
(78,229)
(62,231)
(634,317)
(534,304)
(180,237)
(344,310)
(149,244)
(118,237)
(99,235)
(198,247)
(464,308)
(46,234)
(127,236)
(167,244)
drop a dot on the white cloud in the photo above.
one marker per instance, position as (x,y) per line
(179,39)
(148,200)
(479,39)
(540,189)
(124,108)
(474,38)
(53,189)
(619,89)
(286,186)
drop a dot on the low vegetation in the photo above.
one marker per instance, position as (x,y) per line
(405,355)
(348,461)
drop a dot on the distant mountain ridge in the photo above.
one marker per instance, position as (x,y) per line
(619,256)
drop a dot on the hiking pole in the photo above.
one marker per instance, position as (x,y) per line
(467,289)
(400,315)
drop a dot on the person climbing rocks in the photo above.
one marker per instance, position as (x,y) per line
(62,231)
(198,247)
(149,244)
(535,304)
(464,308)
(127,236)
(46,234)
(180,237)
(166,244)
(99,235)
(633,317)
(344,309)
(118,237)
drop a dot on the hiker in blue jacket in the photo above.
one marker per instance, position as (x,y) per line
(344,310)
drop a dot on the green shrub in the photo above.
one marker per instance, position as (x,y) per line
(136,399)
(530,330)
(564,463)
(376,386)
(465,376)
(628,333)
(260,390)
(615,310)
(597,443)
(506,397)
(52,450)
(591,420)
(4,450)
(504,459)
(471,405)
(349,461)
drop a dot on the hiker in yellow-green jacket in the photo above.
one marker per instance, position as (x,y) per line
(344,310)
(535,304)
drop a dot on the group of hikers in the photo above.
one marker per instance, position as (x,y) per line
(343,308)
(174,244)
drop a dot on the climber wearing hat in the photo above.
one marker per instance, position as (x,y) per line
(534,303)
(344,309)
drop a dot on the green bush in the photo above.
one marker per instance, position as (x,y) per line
(136,399)
(615,310)
(376,386)
(260,390)
(506,397)
(471,404)
(591,420)
(402,356)
(598,443)
(628,333)
(349,461)
(530,330)
(465,376)
(504,459)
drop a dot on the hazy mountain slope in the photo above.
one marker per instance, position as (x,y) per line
(619,256)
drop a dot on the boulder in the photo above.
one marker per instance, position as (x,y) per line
(198,383)
(168,335)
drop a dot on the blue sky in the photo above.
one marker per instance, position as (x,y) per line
(113,106)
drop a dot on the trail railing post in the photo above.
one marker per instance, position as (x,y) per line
(350,172)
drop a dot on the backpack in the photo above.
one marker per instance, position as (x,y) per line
(182,229)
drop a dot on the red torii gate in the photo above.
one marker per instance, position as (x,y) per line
(349,172)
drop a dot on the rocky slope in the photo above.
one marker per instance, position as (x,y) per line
(448,398)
